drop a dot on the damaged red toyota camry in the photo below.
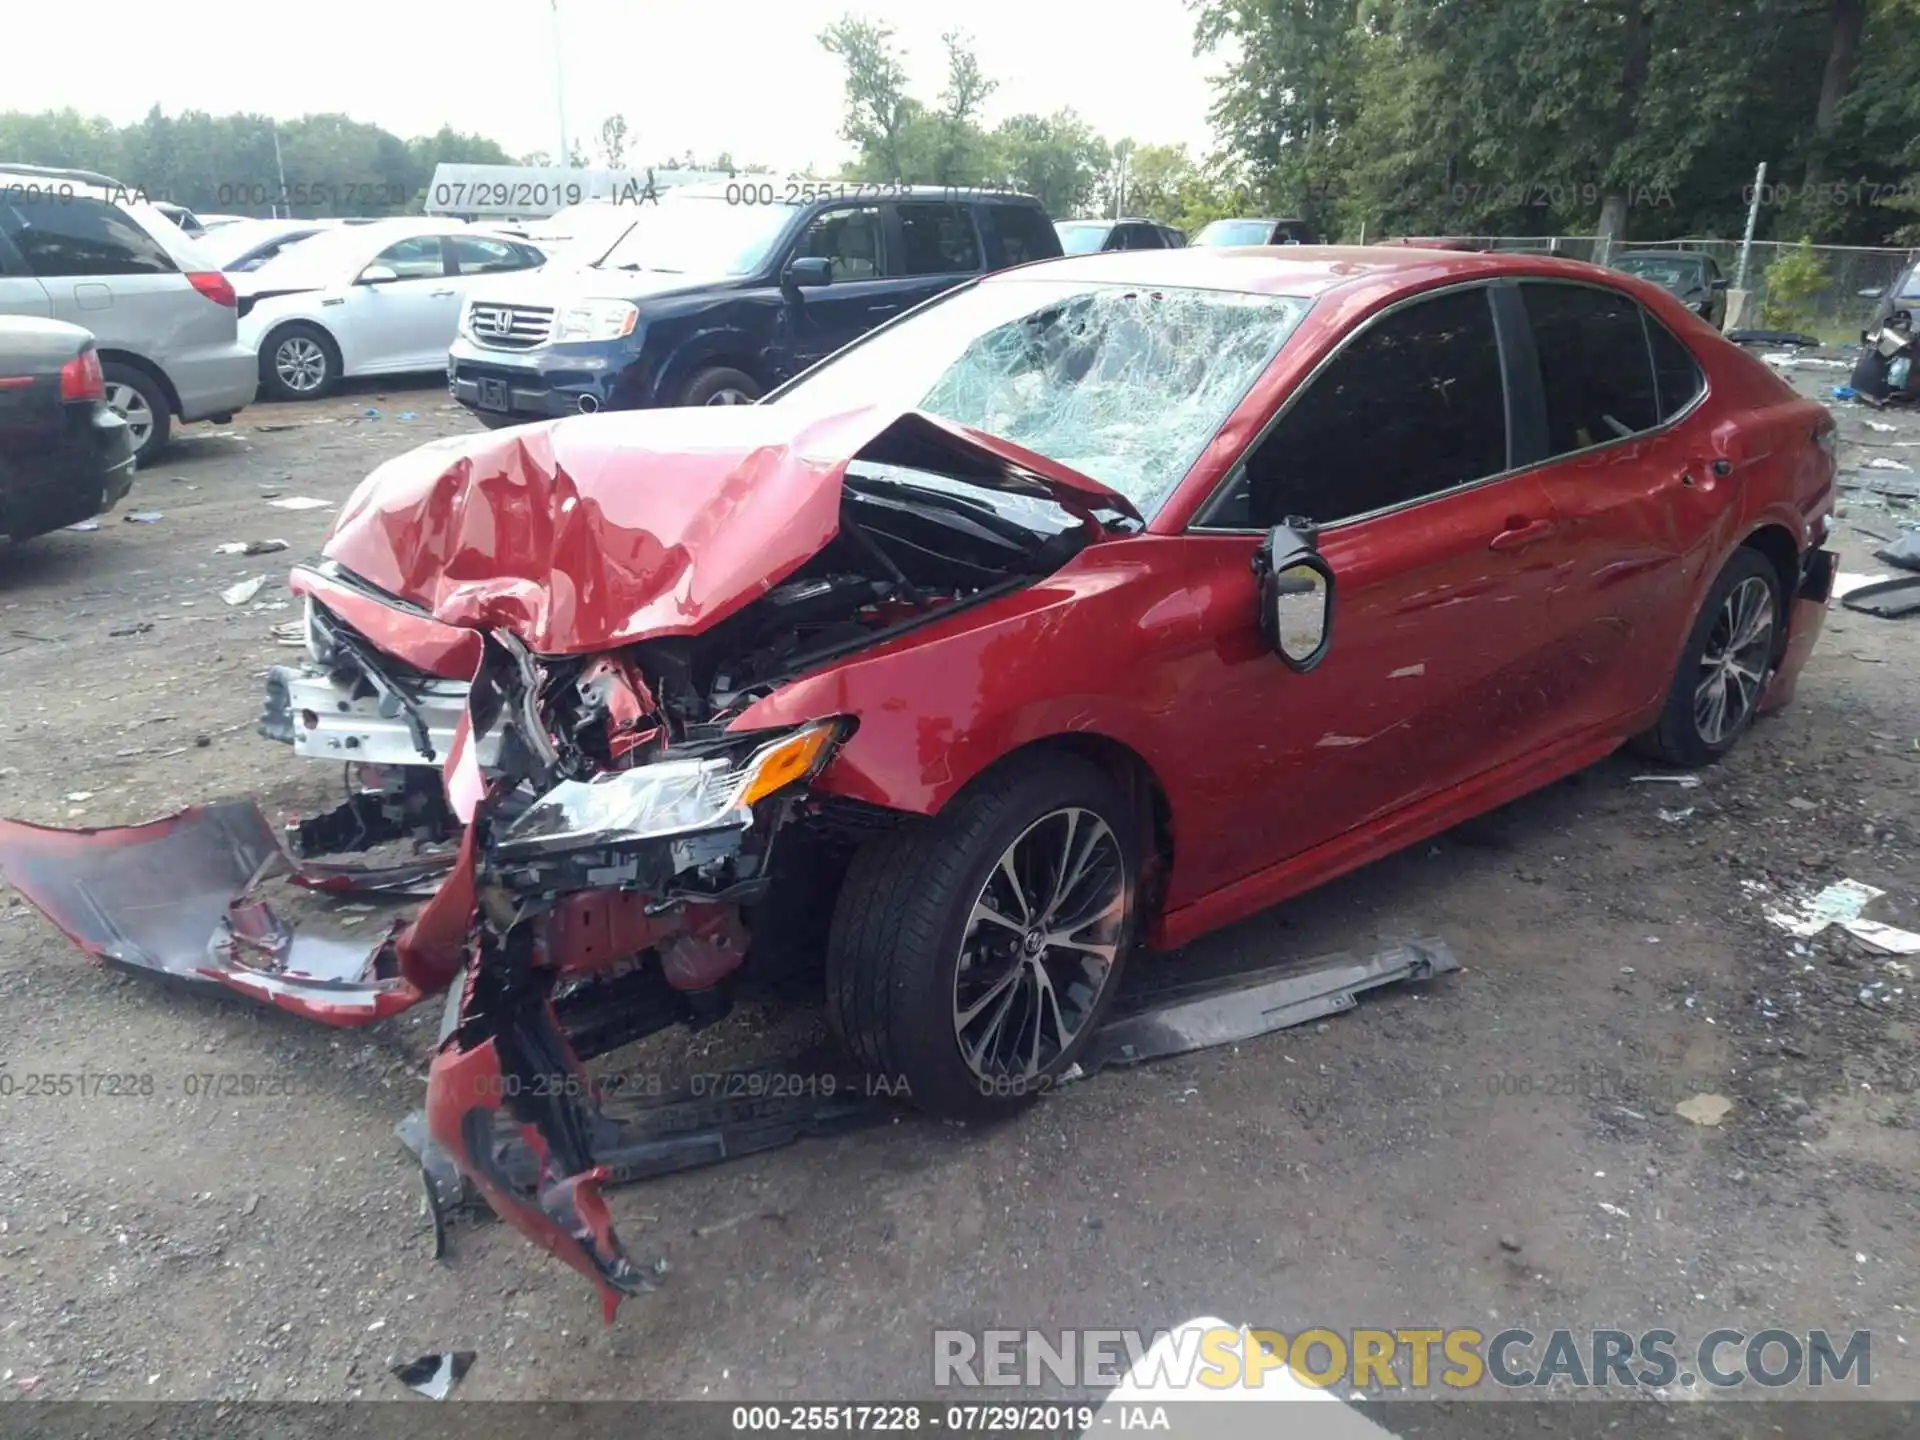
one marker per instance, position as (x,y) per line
(1101,601)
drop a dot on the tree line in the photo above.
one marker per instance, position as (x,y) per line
(1641,119)
(1635,119)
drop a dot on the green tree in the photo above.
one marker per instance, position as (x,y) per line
(878,110)
(613,141)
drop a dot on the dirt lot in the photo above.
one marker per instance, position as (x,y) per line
(1444,1154)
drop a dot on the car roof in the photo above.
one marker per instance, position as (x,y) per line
(1302,270)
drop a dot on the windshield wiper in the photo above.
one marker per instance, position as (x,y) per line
(654,269)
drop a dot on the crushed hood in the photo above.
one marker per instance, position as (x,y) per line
(575,535)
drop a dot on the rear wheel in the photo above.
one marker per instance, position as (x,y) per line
(972,956)
(140,400)
(1728,660)
(721,386)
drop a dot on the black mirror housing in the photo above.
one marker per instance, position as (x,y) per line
(1296,594)
(806,272)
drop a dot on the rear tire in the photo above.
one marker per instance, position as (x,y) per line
(914,971)
(299,361)
(721,386)
(1724,669)
(140,400)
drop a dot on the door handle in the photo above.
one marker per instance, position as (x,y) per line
(1521,532)
(440,294)
(881,309)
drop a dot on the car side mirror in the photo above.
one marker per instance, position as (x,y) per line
(806,272)
(1722,283)
(1873,292)
(377,275)
(1296,594)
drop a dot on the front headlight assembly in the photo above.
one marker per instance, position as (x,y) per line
(595,320)
(668,797)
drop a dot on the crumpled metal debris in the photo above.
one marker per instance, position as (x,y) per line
(434,1376)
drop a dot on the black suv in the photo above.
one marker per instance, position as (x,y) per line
(719,292)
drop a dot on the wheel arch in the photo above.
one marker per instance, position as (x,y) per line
(112,356)
(1136,779)
(1775,542)
(722,346)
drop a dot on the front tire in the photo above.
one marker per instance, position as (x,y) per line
(1725,667)
(140,400)
(299,362)
(721,386)
(973,955)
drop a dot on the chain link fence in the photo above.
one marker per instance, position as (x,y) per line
(1840,311)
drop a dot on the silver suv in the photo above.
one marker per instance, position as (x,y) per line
(79,247)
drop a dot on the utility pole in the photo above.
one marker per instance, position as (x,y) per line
(280,166)
(1753,219)
(559,90)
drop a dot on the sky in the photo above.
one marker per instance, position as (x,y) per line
(744,76)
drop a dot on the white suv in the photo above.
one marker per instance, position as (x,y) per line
(78,247)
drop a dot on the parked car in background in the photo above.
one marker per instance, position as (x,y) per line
(246,245)
(64,454)
(1086,237)
(1253,232)
(164,318)
(1176,238)
(214,222)
(180,215)
(707,300)
(581,234)
(1690,277)
(376,299)
(1902,294)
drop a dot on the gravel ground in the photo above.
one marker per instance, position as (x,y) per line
(1499,1147)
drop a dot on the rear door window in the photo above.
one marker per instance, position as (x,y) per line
(1140,237)
(1595,364)
(1413,407)
(60,235)
(416,258)
(477,255)
(1024,233)
(936,240)
(1676,374)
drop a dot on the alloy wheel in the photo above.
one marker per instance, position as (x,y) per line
(300,363)
(729,396)
(1039,946)
(1735,660)
(131,406)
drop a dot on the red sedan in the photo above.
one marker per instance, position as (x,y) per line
(1103,600)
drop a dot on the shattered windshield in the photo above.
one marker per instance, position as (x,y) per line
(1124,384)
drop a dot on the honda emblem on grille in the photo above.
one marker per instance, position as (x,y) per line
(493,322)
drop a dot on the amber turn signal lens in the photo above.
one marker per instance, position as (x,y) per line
(786,761)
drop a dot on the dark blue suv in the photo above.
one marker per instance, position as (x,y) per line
(716,293)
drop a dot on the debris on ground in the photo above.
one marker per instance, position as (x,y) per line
(290,632)
(85,525)
(1674,817)
(250,547)
(1881,462)
(1841,904)
(1889,599)
(1685,782)
(141,628)
(434,1376)
(241,593)
(1904,552)
(1845,582)
(1704,1109)
(299,502)
(1880,428)
(143,517)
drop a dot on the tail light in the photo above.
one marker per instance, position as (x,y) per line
(80,378)
(215,286)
